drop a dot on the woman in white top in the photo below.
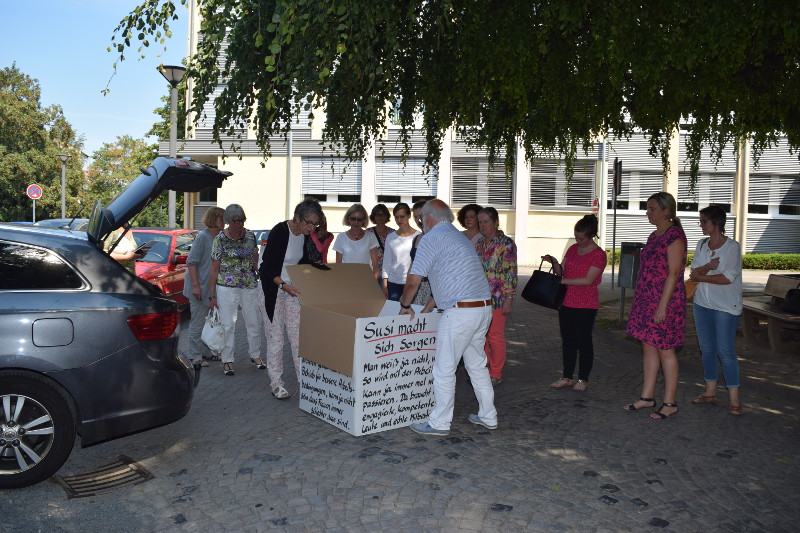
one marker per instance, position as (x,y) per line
(357,245)
(397,254)
(717,267)
(468,218)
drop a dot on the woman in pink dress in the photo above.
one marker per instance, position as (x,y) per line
(581,272)
(658,313)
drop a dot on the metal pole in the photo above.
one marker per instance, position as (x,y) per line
(173,147)
(63,189)
(34,211)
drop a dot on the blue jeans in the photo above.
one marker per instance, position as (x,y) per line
(716,333)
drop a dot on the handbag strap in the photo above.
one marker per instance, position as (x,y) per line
(550,269)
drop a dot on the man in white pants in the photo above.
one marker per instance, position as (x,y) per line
(447,258)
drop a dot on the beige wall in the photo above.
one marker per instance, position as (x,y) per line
(549,233)
(260,191)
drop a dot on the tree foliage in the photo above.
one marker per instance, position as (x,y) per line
(552,75)
(31,137)
(115,165)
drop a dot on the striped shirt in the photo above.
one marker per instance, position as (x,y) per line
(447,258)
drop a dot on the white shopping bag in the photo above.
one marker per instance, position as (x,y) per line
(213,333)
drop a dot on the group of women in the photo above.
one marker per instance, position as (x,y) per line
(224,273)
(658,312)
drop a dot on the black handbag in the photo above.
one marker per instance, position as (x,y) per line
(791,304)
(545,289)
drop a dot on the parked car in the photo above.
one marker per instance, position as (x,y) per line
(86,347)
(262,236)
(165,263)
(78,224)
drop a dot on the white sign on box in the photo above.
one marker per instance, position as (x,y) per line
(362,373)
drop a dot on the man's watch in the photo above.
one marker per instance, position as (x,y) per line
(405,306)
(281,284)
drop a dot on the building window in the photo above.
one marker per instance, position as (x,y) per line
(473,181)
(395,178)
(549,187)
(207,196)
(332,177)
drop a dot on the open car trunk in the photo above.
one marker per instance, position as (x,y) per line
(180,175)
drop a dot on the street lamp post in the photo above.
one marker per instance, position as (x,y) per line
(63,158)
(173,75)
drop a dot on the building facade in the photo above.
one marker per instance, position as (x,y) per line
(537,206)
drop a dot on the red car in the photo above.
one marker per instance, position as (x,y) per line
(165,263)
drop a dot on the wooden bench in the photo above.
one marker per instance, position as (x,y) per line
(768,307)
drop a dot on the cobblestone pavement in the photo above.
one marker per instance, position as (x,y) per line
(560,460)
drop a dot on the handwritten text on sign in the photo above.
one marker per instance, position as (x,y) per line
(392,385)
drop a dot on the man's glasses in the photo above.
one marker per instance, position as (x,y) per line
(703,221)
(238,220)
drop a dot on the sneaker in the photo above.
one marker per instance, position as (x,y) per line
(563,383)
(423,428)
(496,381)
(581,385)
(475,419)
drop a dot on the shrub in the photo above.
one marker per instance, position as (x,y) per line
(749,261)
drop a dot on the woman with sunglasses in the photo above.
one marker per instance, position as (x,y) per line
(380,217)
(233,283)
(286,246)
(357,245)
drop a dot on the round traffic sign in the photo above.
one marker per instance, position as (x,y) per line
(34,191)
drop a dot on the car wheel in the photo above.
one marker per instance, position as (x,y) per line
(37,428)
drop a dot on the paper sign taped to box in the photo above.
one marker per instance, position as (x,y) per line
(365,367)
(391,384)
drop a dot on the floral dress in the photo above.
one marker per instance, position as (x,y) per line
(653,269)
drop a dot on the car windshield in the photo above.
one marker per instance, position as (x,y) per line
(159,253)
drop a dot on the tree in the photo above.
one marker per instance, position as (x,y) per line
(552,75)
(115,165)
(30,139)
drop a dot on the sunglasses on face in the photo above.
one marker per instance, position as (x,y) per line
(311,223)
(356,219)
(238,220)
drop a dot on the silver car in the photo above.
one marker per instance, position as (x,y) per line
(86,348)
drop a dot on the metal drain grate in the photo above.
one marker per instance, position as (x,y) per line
(124,472)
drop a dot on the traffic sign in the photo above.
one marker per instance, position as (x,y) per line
(34,191)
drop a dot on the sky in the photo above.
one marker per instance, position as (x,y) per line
(63,45)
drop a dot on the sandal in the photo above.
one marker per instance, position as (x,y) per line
(227,369)
(704,399)
(562,383)
(632,407)
(212,357)
(658,415)
(581,385)
(258,362)
(280,393)
(735,410)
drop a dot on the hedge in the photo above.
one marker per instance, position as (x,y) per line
(750,261)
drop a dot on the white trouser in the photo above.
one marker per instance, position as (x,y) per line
(286,318)
(462,333)
(229,299)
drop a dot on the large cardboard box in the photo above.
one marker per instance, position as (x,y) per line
(365,367)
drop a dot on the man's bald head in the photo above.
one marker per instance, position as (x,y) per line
(436,211)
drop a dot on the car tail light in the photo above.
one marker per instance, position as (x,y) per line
(154,326)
